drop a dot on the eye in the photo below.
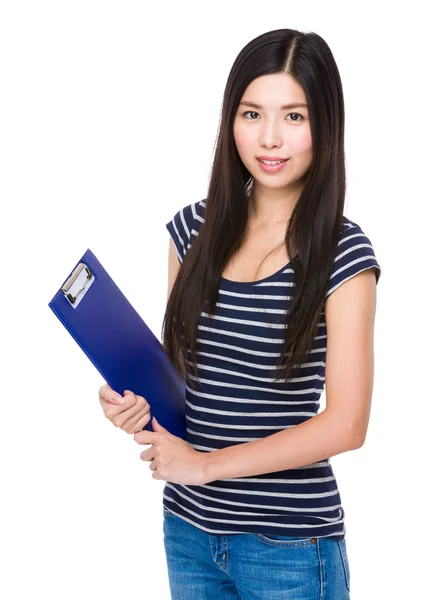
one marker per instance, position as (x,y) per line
(255,113)
(298,115)
(250,111)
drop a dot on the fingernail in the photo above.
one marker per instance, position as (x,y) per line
(119,399)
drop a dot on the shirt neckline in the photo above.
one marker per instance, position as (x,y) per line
(251,283)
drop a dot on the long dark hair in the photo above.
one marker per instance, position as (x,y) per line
(316,221)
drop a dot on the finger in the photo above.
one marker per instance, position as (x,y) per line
(106,394)
(128,419)
(146,437)
(112,409)
(121,414)
(131,399)
(130,423)
(140,424)
(101,393)
(126,415)
(148,455)
(139,399)
(104,388)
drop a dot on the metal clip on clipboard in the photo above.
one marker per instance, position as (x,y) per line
(77,285)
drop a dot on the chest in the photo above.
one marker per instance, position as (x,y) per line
(261,255)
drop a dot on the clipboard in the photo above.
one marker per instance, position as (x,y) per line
(119,343)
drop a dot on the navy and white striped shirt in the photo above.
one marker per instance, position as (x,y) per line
(239,401)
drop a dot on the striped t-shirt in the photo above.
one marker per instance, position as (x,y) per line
(238,400)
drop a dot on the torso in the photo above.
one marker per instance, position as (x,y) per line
(252,261)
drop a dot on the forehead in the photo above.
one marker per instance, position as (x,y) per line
(274,90)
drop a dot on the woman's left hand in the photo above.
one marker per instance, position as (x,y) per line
(172,459)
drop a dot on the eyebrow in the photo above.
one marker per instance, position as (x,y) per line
(283,107)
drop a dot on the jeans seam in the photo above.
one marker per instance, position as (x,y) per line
(344,565)
(321,568)
(285,543)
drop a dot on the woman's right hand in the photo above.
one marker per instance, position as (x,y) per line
(131,415)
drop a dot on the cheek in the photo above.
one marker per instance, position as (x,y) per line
(241,137)
(241,141)
(303,143)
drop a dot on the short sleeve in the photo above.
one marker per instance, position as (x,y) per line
(182,228)
(355,253)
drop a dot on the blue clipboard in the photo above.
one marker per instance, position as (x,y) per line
(119,343)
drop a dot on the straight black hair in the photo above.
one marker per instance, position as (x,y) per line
(316,220)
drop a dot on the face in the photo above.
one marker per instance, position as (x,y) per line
(269,130)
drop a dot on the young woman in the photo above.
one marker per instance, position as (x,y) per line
(272,293)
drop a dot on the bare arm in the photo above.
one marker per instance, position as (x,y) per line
(342,425)
(173,267)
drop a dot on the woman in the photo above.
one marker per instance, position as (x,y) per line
(272,292)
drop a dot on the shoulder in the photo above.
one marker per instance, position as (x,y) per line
(355,253)
(185,225)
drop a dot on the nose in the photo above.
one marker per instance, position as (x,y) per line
(270,135)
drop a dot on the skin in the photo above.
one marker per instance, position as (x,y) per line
(272,131)
(170,457)
(129,412)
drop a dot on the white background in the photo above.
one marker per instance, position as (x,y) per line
(108,115)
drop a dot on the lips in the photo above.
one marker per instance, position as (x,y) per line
(272,167)
(271,158)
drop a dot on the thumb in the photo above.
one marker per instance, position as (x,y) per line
(156,425)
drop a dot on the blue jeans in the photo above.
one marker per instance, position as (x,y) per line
(248,566)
